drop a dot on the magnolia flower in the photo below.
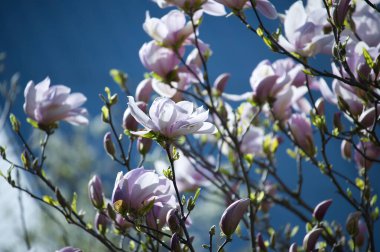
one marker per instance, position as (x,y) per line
(158,59)
(304,31)
(233,4)
(47,105)
(171,30)
(144,90)
(232,216)
(139,188)
(265,7)
(300,129)
(209,6)
(311,239)
(129,122)
(101,222)
(172,119)
(252,142)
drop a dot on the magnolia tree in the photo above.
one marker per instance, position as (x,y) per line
(226,146)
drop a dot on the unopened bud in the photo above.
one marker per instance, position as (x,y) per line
(144,90)
(143,145)
(293,248)
(352,223)
(25,159)
(108,145)
(340,11)
(345,149)
(337,122)
(175,244)
(311,239)
(101,222)
(232,216)
(221,82)
(15,123)
(121,223)
(260,243)
(320,105)
(95,191)
(129,122)
(172,221)
(321,209)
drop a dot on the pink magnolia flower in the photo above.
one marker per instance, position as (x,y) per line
(170,31)
(232,215)
(172,119)
(321,209)
(47,105)
(304,31)
(367,22)
(129,122)
(158,59)
(311,238)
(208,6)
(139,187)
(300,129)
(233,4)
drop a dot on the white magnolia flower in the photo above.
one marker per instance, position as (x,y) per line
(172,119)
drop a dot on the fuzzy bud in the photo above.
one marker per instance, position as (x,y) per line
(143,145)
(311,239)
(352,223)
(175,244)
(345,149)
(95,191)
(321,209)
(108,145)
(232,216)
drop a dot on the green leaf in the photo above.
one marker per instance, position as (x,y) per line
(294,231)
(105,114)
(374,200)
(291,153)
(197,193)
(360,183)
(32,122)
(368,58)
(120,78)
(15,123)
(50,200)
(74,202)
(2,152)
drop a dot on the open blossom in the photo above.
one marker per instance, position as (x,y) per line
(208,6)
(172,119)
(171,30)
(304,31)
(47,105)
(139,187)
(367,22)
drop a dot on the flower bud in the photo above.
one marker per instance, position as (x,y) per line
(129,122)
(232,216)
(101,222)
(95,191)
(69,249)
(175,244)
(321,209)
(143,145)
(108,145)
(360,238)
(260,243)
(221,82)
(311,239)
(337,121)
(340,11)
(320,105)
(121,223)
(301,131)
(352,223)
(293,248)
(172,221)
(25,159)
(345,149)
